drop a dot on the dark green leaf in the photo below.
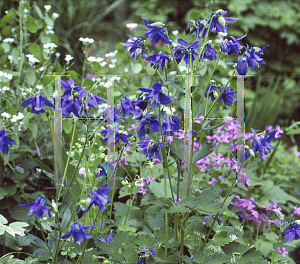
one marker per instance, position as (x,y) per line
(41,164)
(66,218)
(203,152)
(31,24)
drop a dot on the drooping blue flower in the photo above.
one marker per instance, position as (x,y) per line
(80,211)
(219,23)
(261,145)
(99,198)
(71,106)
(150,147)
(156,34)
(109,238)
(5,141)
(209,53)
(38,207)
(200,26)
(143,254)
(127,106)
(168,125)
(38,103)
(118,136)
(242,66)
(253,58)
(100,172)
(156,95)
(210,88)
(185,51)
(147,123)
(70,87)
(292,232)
(232,46)
(117,112)
(94,100)
(79,234)
(227,96)
(158,60)
(136,47)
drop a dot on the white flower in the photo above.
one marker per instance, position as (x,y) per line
(7,115)
(111,54)
(40,87)
(82,172)
(86,40)
(68,57)
(169,113)
(4,88)
(172,72)
(57,54)
(41,69)
(182,68)
(26,10)
(10,40)
(175,32)
(55,16)
(103,63)
(108,84)
(10,57)
(139,182)
(47,7)
(131,25)
(32,59)
(111,66)
(113,60)
(91,59)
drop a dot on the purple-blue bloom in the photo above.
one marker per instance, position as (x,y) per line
(117,112)
(158,60)
(142,257)
(156,34)
(71,106)
(38,103)
(227,96)
(219,23)
(94,100)
(169,125)
(156,95)
(79,211)
(69,87)
(209,53)
(100,172)
(150,148)
(5,141)
(185,51)
(99,198)
(147,123)
(232,46)
(38,207)
(118,136)
(79,233)
(210,88)
(109,238)
(127,106)
(242,66)
(136,47)
(292,232)
(254,59)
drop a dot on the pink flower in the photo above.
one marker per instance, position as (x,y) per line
(297,211)
(282,251)
(297,153)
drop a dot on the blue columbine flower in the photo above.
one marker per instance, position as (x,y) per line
(147,123)
(118,136)
(219,23)
(150,147)
(142,255)
(100,172)
(117,112)
(227,96)
(79,233)
(109,238)
(99,198)
(253,58)
(232,46)
(169,125)
(80,211)
(71,106)
(94,100)
(262,145)
(210,88)
(209,53)
(292,232)
(156,34)
(200,26)
(185,51)
(38,103)
(38,207)
(242,66)
(5,141)
(127,106)
(136,47)
(70,87)
(158,60)
(156,95)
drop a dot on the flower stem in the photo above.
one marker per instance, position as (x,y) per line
(276,245)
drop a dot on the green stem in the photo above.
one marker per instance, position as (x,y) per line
(130,203)
(275,251)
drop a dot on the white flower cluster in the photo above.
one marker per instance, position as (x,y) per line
(32,59)
(68,58)
(40,87)
(111,54)
(103,63)
(175,32)
(50,30)
(49,47)
(86,40)
(7,115)
(93,59)
(5,75)
(131,25)
(5,88)
(18,117)
(47,7)
(169,113)
(10,40)
(55,16)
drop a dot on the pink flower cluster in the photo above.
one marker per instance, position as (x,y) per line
(282,251)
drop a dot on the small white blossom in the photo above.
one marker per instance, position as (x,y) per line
(111,54)
(5,88)
(139,182)
(113,60)
(55,16)
(40,87)
(32,59)
(182,68)
(7,115)
(172,72)
(68,57)
(10,40)
(41,69)
(131,25)
(57,54)
(175,32)
(47,7)
(108,84)
(49,47)
(103,63)
(111,66)
(26,10)
(10,57)
(86,40)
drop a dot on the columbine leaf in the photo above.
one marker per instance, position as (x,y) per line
(203,152)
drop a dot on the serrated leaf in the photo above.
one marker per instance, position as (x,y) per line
(178,209)
(177,147)
(37,241)
(203,152)
(18,227)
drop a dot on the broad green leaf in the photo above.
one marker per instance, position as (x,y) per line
(37,241)
(17,227)
(178,209)
(3,220)
(49,21)
(67,125)
(66,218)
(15,55)
(33,129)
(150,70)
(177,147)
(38,11)
(30,77)
(16,138)
(203,152)
(31,24)
(35,51)
(137,68)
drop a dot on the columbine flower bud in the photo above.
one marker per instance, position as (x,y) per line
(215,94)
(251,152)
(71,97)
(279,214)
(157,25)
(102,155)
(220,10)
(246,147)
(164,90)
(124,183)
(222,21)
